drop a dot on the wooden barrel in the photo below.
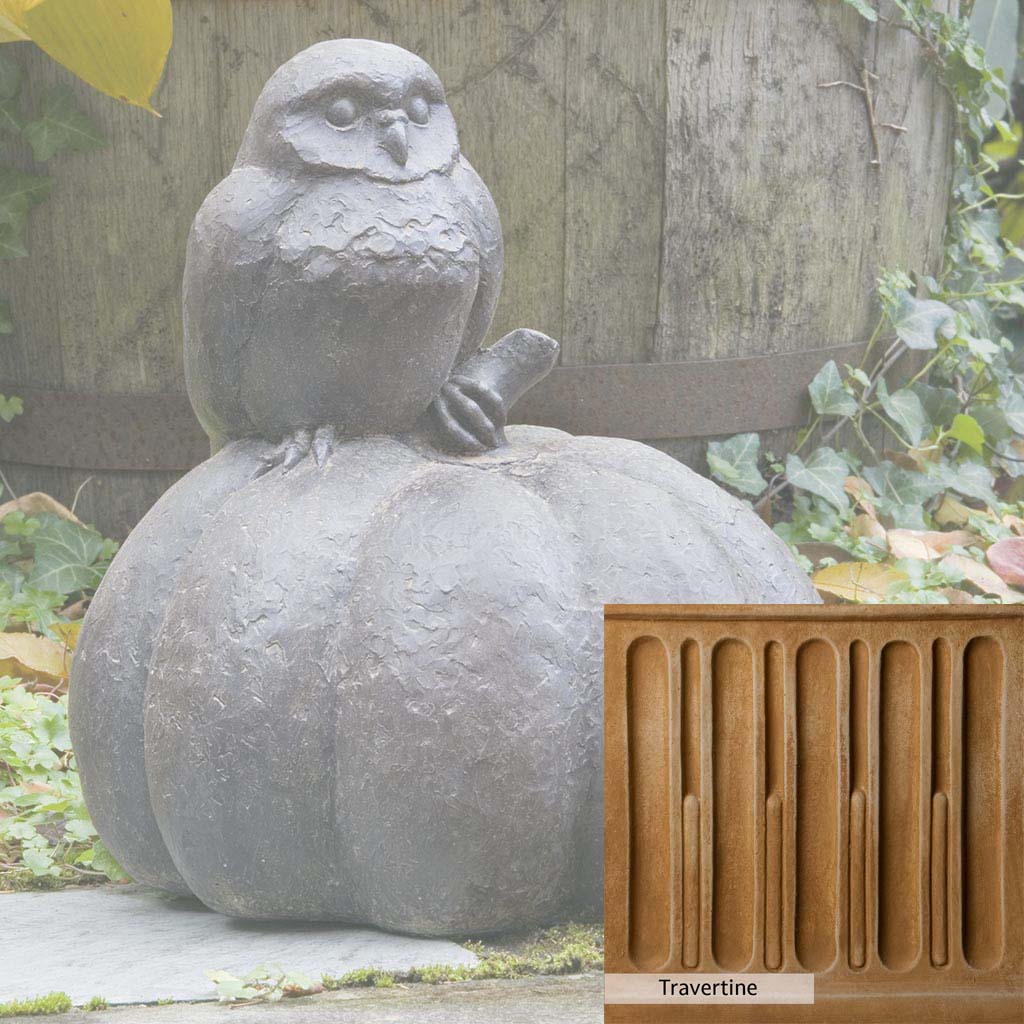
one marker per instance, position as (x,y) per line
(690,205)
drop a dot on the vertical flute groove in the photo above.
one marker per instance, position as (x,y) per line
(860,672)
(690,734)
(941,779)
(691,880)
(774,757)
(857,878)
(773,883)
(940,952)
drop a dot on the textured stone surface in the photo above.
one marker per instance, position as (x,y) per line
(133,947)
(376,692)
(576,999)
(342,676)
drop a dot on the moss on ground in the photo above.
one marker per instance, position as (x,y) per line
(55,1002)
(565,949)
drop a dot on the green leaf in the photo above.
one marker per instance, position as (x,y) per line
(916,321)
(6,320)
(827,394)
(10,77)
(12,245)
(10,407)
(901,486)
(992,421)
(904,408)
(103,860)
(1012,404)
(823,474)
(61,127)
(19,190)
(11,118)
(970,479)
(940,404)
(864,9)
(734,462)
(965,428)
(66,556)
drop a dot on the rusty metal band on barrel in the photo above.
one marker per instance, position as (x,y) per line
(640,401)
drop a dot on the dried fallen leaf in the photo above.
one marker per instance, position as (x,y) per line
(864,582)
(1007,560)
(927,544)
(868,527)
(860,490)
(983,578)
(1015,523)
(36,502)
(817,550)
(68,632)
(952,512)
(33,657)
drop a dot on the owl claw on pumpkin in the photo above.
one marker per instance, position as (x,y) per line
(468,416)
(295,447)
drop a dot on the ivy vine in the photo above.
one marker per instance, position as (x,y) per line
(933,512)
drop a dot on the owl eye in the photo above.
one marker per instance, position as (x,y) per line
(342,113)
(418,110)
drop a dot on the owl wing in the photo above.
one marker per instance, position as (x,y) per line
(483,217)
(231,248)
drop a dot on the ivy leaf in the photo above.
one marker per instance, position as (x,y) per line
(12,245)
(864,9)
(992,421)
(6,320)
(61,127)
(904,408)
(970,479)
(940,404)
(965,428)
(18,194)
(11,118)
(10,77)
(917,321)
(901,486)
(1012,405)
(827,394)
(66,556)
(734,462)
(823,474)
(10,407)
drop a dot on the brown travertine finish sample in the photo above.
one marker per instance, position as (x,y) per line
(835,790)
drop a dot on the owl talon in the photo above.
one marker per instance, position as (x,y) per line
(323,444)
(468,417)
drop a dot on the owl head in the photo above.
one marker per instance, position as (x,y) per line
(353,105)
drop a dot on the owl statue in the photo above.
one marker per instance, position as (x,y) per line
(350,260)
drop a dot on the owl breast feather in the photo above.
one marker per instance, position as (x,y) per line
(351,226)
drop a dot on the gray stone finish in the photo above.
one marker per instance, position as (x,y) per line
(352,669)
(134,947)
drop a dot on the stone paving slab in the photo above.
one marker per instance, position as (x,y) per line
(572,1000)
(132,946)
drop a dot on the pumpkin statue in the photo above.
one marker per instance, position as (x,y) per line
(350,667)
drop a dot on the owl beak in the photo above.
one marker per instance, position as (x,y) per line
(395,142)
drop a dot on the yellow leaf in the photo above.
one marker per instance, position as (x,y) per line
(928,544)
(117,46)
(952,512)
(865,582)
(33,657)
(36,502)
(68,632)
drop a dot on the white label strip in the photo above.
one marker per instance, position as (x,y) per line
(651,989)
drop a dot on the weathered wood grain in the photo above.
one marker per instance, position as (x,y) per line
(673,184)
